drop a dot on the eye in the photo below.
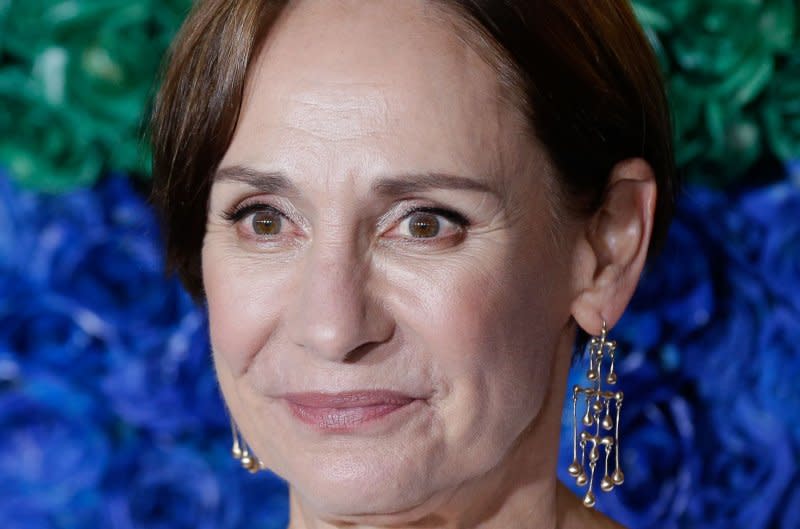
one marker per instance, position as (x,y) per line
(431,223)
(266,222)
(263,220)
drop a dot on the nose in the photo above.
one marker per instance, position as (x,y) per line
(334,314)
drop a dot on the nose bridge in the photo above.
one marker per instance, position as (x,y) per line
(333,269)
(333,314)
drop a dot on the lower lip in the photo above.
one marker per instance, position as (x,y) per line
(344,419)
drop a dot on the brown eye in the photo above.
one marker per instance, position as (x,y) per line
(423,225)
(266,222)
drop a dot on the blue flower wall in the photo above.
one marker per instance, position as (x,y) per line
(109,411)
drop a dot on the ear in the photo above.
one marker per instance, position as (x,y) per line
(611,252)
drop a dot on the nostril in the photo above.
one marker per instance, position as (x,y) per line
(359,352)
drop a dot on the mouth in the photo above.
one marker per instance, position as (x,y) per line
(347,411)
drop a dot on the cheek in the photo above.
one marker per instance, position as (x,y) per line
(243,297)
(501,326)
(499,311)
(489,324)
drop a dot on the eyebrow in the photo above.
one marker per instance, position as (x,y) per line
(416,182)
(276,182)
(269,182)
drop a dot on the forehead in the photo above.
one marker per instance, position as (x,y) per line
(384,80)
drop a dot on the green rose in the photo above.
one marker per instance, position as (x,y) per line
(91,67)
(45,146)
(781,110)
(721,59)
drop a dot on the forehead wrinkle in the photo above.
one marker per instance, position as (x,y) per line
(337,111)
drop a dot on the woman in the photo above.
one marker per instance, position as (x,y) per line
(399,216)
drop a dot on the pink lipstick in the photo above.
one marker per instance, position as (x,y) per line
(345,411)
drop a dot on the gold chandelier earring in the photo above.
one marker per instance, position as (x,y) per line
(242,452)
(602,407)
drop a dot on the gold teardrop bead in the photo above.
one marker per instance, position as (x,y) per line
(588,500)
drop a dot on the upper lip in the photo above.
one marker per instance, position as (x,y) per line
(348,399)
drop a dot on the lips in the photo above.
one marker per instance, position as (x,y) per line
(345,411)
(350,399)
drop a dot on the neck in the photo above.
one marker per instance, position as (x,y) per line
(520,492)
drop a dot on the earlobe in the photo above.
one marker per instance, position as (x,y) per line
(612,253)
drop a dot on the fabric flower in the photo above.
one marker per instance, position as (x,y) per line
(174,377)
(171,488)
(18,234)
(118,270)
(774,250)
(76,90)
(90,301)
(719,358)
(722,58)
(745,451)
(44,331)
(53,454)
(725,51)
(89,287)
(45,146)
(100,249)
(745,386)
(791,509)
(174,486)
(781,111)
(775,387)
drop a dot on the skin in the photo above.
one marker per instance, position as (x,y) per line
(478,321)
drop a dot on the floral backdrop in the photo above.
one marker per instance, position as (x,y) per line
(109,412)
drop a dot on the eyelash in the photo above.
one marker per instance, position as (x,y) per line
(240,212)
(451,216)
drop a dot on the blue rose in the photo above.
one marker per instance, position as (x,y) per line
(92,302)
(53,455)
(102,248)
(18,234)
(172,487)
(99,247)
(742,369)
(193,485)
(167,383)
(791,509)
(775,210)
(719,357)
(24,517)
(45,331)
(748,466)
(775,385)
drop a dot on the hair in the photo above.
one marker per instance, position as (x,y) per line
(586,78)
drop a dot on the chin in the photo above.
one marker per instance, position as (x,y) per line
(352,489)
(388,510)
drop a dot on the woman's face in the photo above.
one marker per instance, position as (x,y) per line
(382,221)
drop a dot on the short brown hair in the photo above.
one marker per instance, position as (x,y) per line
(588,79)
